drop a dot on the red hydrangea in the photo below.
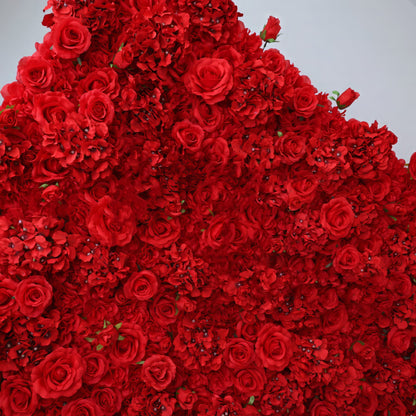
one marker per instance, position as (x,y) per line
(189,227)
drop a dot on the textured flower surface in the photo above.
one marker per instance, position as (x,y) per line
(189,227)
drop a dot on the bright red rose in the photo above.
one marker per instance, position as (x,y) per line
(51,110)
(305,101)
(346,258)
(81,407)
(35,73)
(161,231)
(130,346)
(59,374)
(323,409)
(33,295)
(186,398)
(141,285)
(17,397)
(399,340)
(238,353)
(210,78)
(271,29)
(337,217)
(70,38)
(347,98)
(159,371)
(367,402)
(189,135)
(164,310)
(96,366)
(250,381)
(274,346)
(108,400)
(111,222)
(97,107)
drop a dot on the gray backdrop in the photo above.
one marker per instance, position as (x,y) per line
(368,45)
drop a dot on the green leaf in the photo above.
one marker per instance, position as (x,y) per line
(121,47)
(44,185)
(335,92)
(211,212)
(89,339)
(106,323)
(79,61)
(118,326)
(169,218)
(120,338)
(202,230)
(183,201)
(414,402)
(328,265)
(100,347)
(176,310)
(140,363)
(393,218)
(183,210)
(361,342)
(251,400)
(279,133)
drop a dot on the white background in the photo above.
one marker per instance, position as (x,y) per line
(368,45)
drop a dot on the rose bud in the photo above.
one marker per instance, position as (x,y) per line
(271,30)
(347,98)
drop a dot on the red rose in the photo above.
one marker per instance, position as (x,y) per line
(161,231)
(164,310)
(271,29)
(210,78)
(35,73)
(347,98)
(97,107)
(347,258)
(7,296)
(108,400)
(81,407)
(70,38)
(189,135)
(51,110)
(274,346)
(238,353)
(399,339)
(335,320)
(323,409)
(17,397)
(290,147)
(33,295)
(186,398)
(250,381)
(130,346)
(111,223)
(305,101)
(337,217)
(59,374)
(412,166)
(159,371)
(141,285)
(96,367)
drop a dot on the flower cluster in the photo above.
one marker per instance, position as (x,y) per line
(188,227)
